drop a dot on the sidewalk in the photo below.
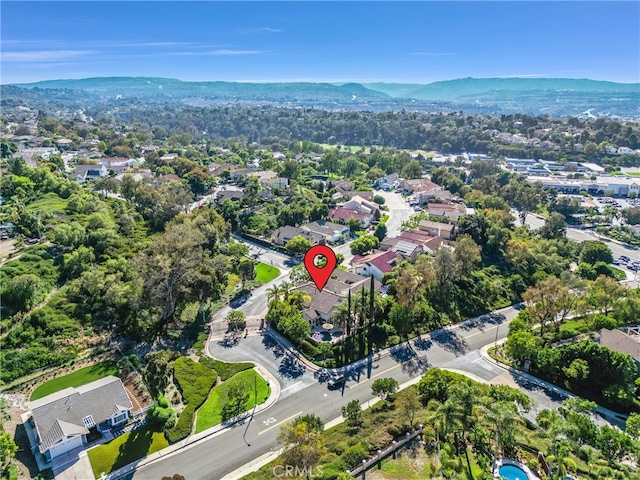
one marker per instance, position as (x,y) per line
(271,456)
(210,432)
(611,416)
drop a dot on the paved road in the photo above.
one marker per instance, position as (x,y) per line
(582,235)
(303,393)
(399,211)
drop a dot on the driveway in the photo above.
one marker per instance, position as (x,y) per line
(399,211)
(73,465)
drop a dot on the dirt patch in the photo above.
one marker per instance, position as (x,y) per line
(137,391)
(24,460)
(7,247)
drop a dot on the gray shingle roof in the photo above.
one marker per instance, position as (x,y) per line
(61,414)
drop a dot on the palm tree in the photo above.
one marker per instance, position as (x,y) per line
(285,288)
(298,298)
(340,314)
(273,293)
(446,418)
(504,418)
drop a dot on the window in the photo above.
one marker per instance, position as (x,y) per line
(88,421)
(119,418)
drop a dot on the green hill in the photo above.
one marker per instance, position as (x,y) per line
(465,87)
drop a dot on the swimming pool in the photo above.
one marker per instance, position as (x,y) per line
(511,472)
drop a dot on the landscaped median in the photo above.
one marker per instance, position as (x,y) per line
(210,403)
(265,273)
(218,408)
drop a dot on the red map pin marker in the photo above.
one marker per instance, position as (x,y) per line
(320,275)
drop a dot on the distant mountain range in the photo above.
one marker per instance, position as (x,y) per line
(465,87)
(554,96)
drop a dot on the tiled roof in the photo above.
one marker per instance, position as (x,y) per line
(321,302)
(323,227)
(344,214)
(620,342)
(436,225)
(61,414)
(385,262)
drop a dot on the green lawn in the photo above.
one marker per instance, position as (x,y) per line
(125,449)
(345,148)
(48,203)
(75,379)
(265,273)
(223,369)
(211,413)
(619,274)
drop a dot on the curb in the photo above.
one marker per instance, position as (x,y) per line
(263,460)
(603,411)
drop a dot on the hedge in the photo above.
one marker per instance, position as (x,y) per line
(223,369)
(194,381)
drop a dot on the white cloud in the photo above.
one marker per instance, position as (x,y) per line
(228,52)
(43,55)
(261,30)
(432,54)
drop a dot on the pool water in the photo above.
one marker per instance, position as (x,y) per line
(511,472)
(326,336)
(337,333)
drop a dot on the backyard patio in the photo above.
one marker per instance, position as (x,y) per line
(327,332)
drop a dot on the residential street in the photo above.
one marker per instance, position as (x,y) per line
(456,348)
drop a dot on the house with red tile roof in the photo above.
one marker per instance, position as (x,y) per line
(343,215)
(376,264)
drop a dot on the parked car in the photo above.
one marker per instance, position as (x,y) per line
(335,382)
(238,302)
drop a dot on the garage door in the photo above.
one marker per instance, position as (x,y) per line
(66,445)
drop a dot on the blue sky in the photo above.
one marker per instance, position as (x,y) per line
(412,42)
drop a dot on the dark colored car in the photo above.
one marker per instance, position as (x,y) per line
(238,302)
(335,382)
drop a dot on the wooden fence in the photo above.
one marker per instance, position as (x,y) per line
(392,449)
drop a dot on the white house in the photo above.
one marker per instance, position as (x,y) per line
(85,173)
(61,421)
(332,232)
(376,264)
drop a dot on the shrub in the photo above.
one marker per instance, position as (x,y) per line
(396,430)
(568,333)
(164,417)
(601,321)
(223,369)
(162,401)
(182,429)
(354,455)
(195,381)
(135,361)
(308,350)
